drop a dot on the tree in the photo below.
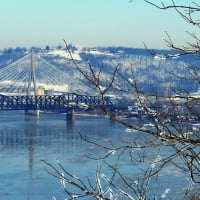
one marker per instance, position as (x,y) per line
(170,117)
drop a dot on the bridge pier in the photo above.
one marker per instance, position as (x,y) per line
(114,114)
(35,113)
(70,115)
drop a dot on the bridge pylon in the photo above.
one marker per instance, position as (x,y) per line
(30,91)
(32,78)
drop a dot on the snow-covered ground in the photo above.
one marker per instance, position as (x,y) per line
(65,54)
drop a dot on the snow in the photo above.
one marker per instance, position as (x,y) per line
(76,54)
(65,54)
(97,52)
(159,57)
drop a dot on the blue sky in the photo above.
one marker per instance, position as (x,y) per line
(27,23)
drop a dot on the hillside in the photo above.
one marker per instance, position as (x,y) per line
(152,73)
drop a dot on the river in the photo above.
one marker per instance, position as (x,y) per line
(26,140)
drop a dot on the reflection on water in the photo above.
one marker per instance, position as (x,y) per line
(26,140)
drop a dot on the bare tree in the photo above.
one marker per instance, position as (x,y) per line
(169,119)
(189,13)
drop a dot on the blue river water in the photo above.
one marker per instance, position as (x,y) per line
(26,140)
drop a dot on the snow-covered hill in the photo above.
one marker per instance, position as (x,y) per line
(152,73)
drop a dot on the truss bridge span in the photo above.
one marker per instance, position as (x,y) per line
(59,103)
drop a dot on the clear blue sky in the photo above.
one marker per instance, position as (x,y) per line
(27,23)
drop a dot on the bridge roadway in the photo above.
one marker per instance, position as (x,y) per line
(59,103)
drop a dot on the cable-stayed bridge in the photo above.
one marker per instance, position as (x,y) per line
(32,83)
(17,76)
